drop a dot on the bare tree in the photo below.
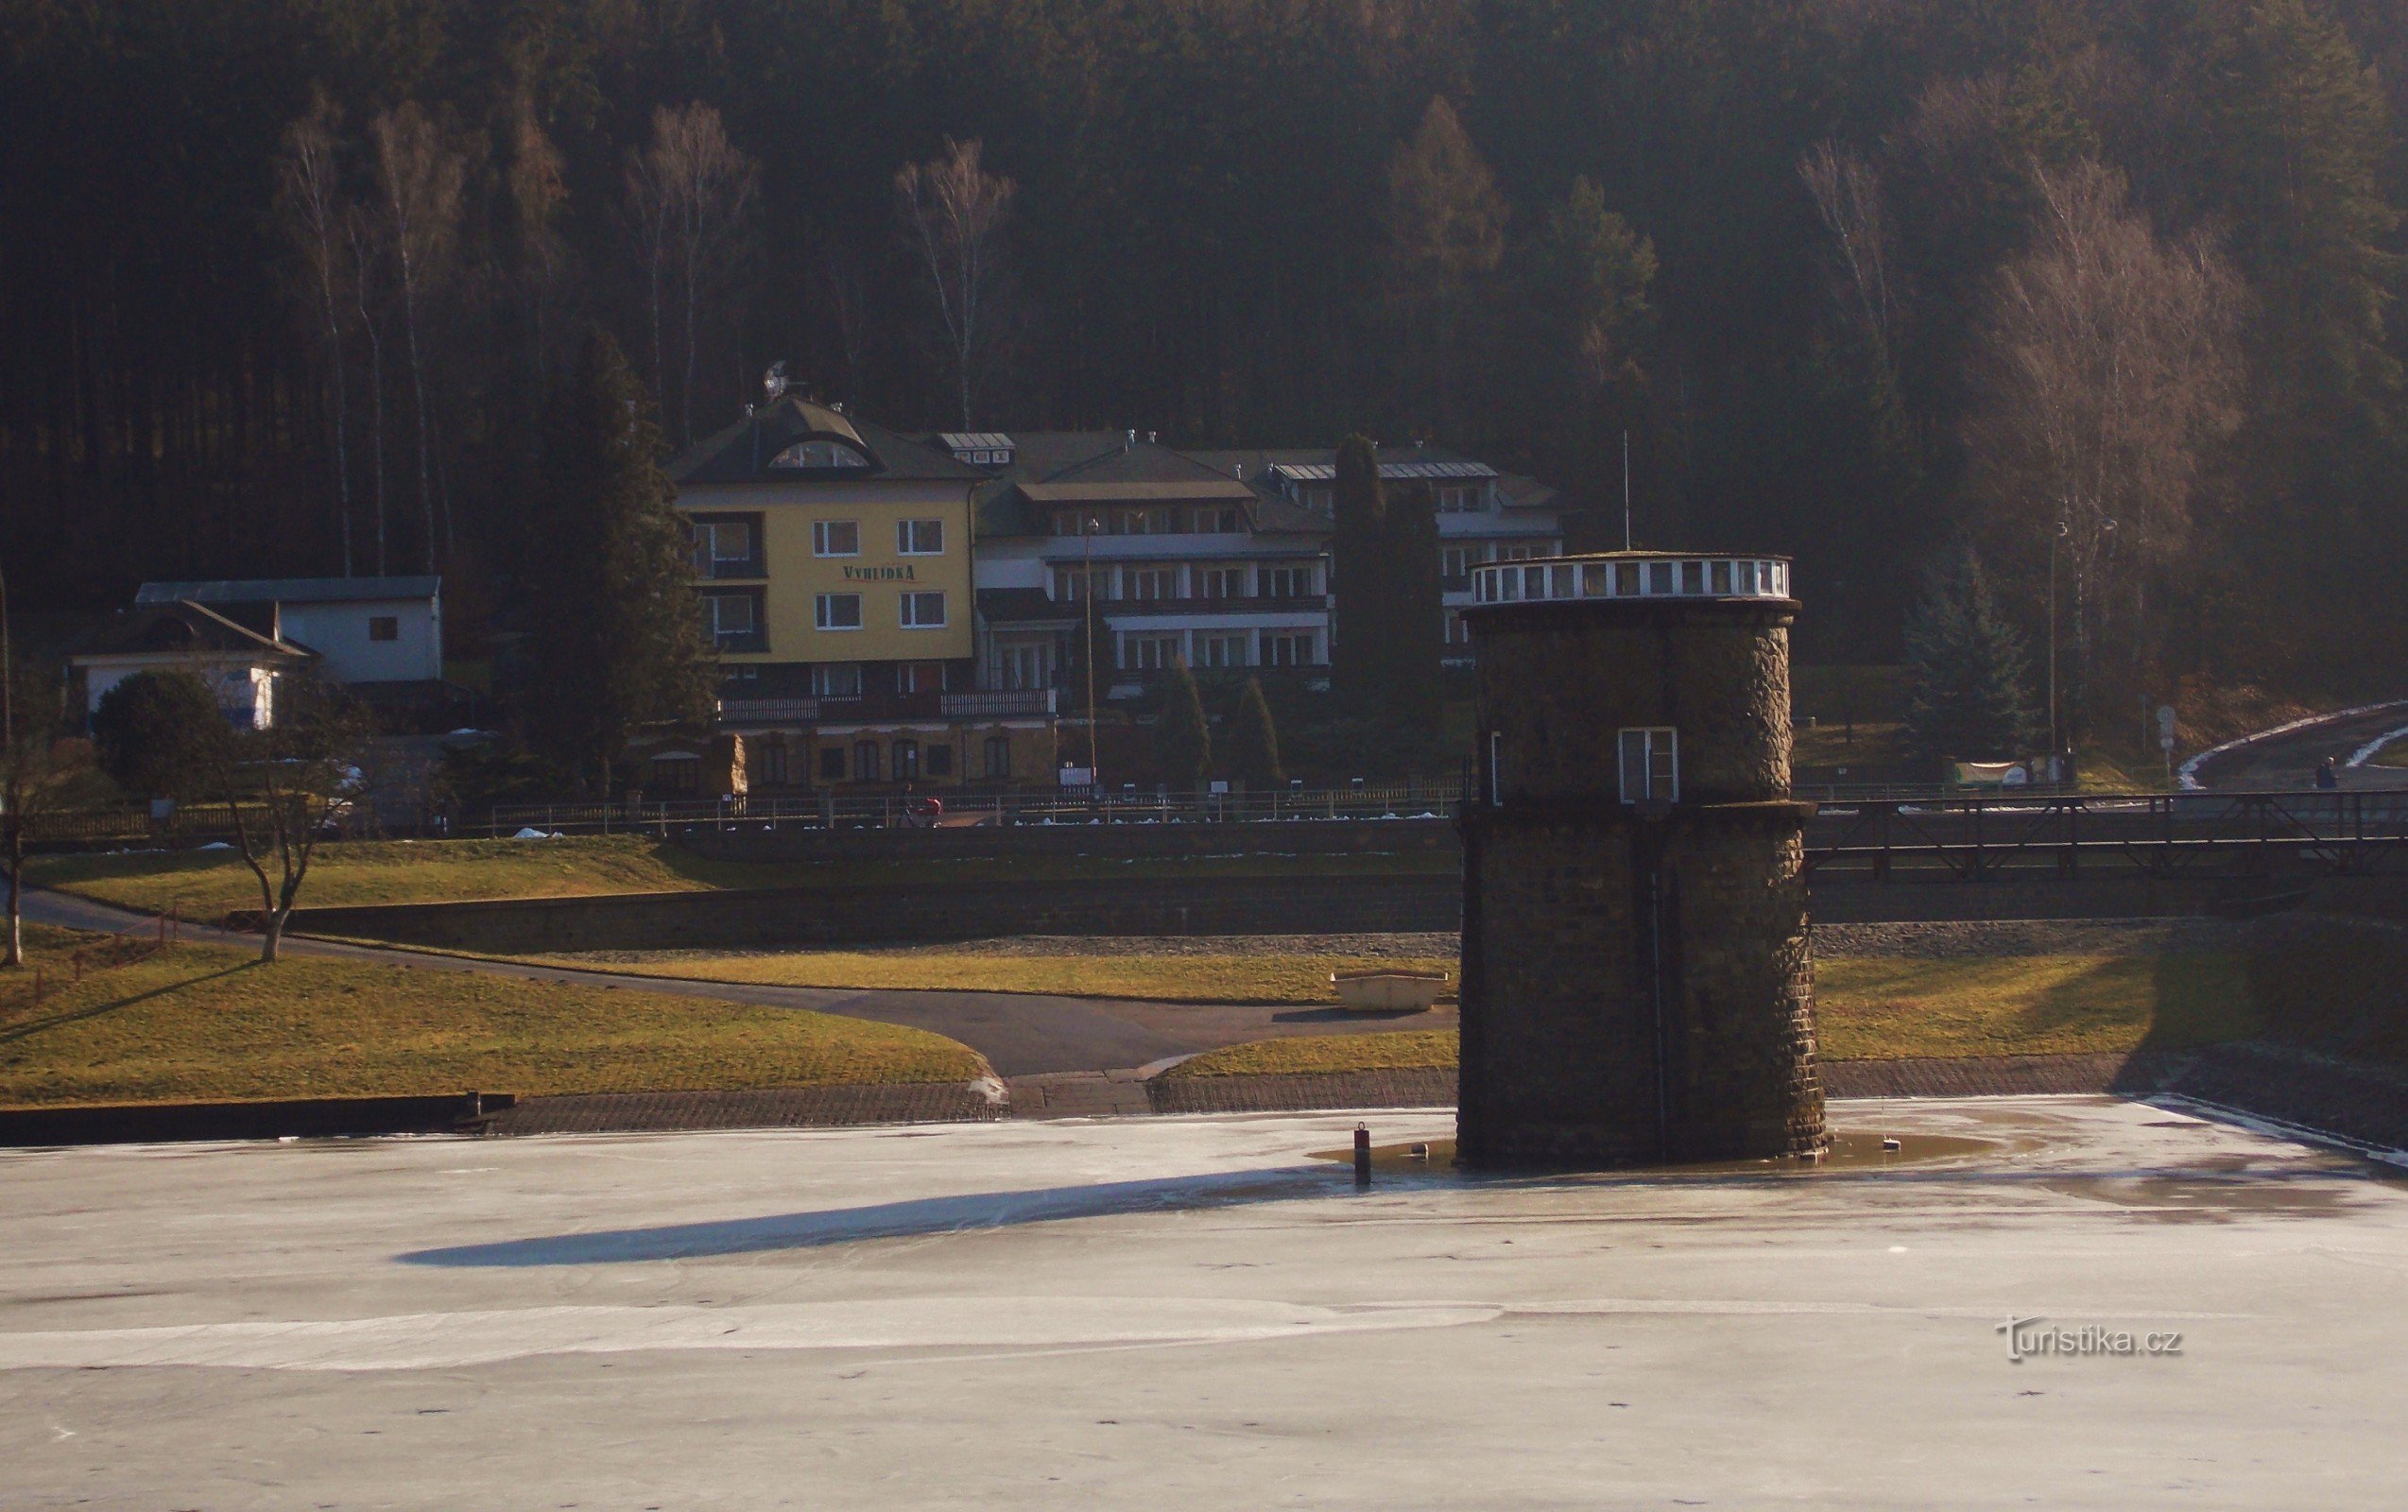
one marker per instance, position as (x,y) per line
(954,211)
(360,235)
(539,190)
(692,198)
(419,183)
(285,788)
(844,291)
(1847,196)
(2104,371)
(310,201)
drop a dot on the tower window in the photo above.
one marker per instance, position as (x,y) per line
(1650,767)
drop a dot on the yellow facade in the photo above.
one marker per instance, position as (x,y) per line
(801,522)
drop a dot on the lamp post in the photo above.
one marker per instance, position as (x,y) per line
(1087,527)
(2057,746)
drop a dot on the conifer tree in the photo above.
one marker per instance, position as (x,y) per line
(1254,741)
(618,638)
(1414,634)
(1182,742)
(1964,670)
(1358,560)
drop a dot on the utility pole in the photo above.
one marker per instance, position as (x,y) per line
(1626,490)
(1086,594)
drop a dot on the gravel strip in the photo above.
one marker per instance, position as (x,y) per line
(1442,944)
(2029,937)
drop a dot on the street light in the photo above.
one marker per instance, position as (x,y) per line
(2064,532)
(1088,525)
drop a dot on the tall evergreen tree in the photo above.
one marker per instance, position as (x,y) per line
(1254,740)
(1182,742)
(618,634)
(1358,562)
(1416,630)
(1966,670)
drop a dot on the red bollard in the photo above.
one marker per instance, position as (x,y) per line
(1362,1155)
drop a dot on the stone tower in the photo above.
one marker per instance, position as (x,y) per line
(1637,981)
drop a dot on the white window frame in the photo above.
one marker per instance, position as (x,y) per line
(820,531)
(1657,748)
(907,609)
(826,682)
(907,532)
(820,616)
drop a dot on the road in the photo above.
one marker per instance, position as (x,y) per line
(1021,1034)
(2289,760)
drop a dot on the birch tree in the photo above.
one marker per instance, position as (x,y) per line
(310,201)
(692,200)
(2104,371)
(419,181)
(954,211)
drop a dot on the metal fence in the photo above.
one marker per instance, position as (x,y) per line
(832,810)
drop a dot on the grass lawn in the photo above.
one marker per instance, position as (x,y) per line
(1411,1050)
(208,885)
(1885,1009)
(1265,978)
(200,1021)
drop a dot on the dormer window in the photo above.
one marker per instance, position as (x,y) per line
(818,456)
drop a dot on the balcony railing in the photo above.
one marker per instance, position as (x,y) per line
(716,569)
(998,702)
(767,710)
(992,704)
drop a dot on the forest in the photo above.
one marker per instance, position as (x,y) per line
(2101,290)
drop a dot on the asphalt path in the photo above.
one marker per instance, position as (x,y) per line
(1021,1034)
(2289,760)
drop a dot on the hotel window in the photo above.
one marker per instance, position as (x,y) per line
(837,611)
(1281,649)
(835,538)
(1462,500)
(1020,665)
(923,612)
(1456,562)
(1650,767)
(1458,633)
(831,763)
(675,772)
(1220,583)
(384,628)
(732,620)
(726,548)
(1070,584)
(1150,583)
(940,761)
(1288,582)
(906,760)
(919,677)
(919,538)
(773,764)
(1148,653)
(999,758)
(1227,519)
(836,680)
(1220,650)
(865,760)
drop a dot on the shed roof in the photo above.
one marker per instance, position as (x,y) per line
(290,591)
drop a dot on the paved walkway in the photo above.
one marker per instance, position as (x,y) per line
(1021,1034)
(2289,760)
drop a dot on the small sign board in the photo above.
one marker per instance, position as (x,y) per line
(1079,777)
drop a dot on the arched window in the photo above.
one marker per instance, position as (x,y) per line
(818,456)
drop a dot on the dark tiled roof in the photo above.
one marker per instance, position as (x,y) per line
(741,453)
(290,591)
(1024,606)
(187,628)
